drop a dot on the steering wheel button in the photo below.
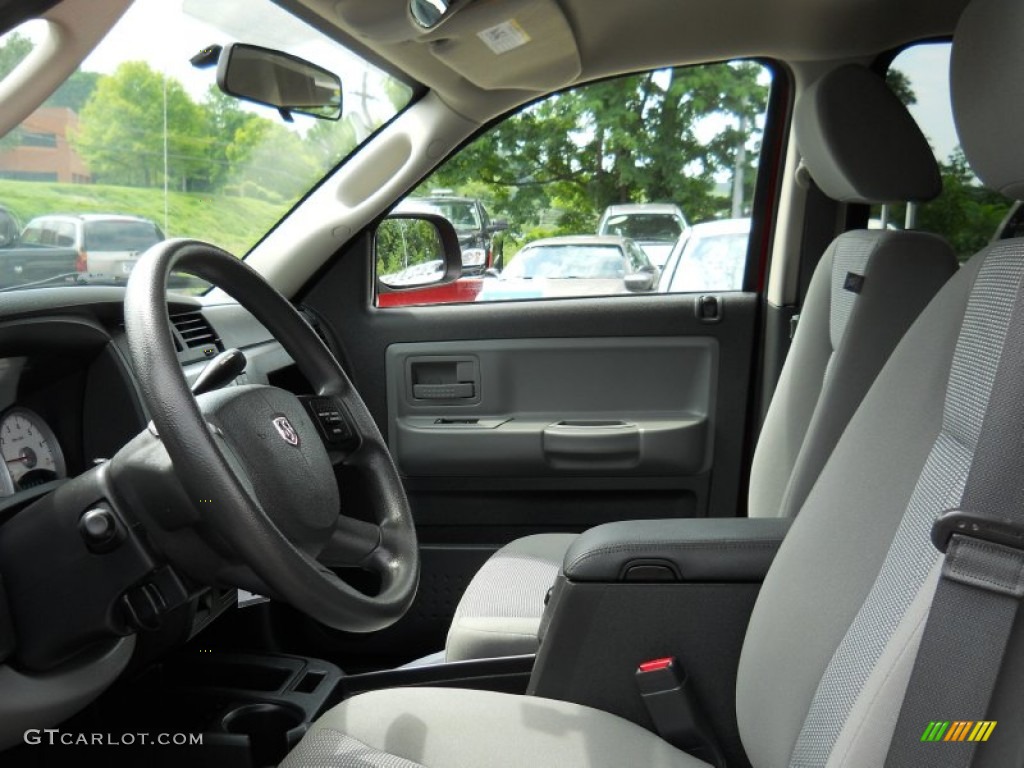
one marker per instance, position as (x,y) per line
(99,528)
(98,523)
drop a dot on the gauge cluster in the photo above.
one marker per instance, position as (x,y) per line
(31,453)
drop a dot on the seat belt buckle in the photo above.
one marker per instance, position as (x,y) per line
(956,522)
(671,705)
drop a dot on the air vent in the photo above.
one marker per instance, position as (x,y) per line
(195,332)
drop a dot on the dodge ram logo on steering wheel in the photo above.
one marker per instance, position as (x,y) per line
(286,430)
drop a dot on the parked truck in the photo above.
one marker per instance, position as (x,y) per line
(22,263)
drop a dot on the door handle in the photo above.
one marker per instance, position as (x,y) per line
(444,378)
(460,391)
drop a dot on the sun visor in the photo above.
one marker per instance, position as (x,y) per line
(521,44)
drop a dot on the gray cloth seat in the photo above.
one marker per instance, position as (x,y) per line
(836,627)
(845,335)
(417,727)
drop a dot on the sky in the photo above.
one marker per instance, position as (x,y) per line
(927,66)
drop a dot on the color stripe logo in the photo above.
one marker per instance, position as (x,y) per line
(958,730)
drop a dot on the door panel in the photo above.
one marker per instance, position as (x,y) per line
(531,408)
(680,383)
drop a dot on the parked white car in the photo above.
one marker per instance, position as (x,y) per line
(710,257)
(577,265)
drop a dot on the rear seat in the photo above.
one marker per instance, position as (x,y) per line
(866,291)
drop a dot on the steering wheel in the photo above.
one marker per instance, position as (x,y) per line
(258,474)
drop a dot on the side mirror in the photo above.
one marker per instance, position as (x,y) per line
(492,272)
(499,225)
(641,282)
(414,250)
(280,80)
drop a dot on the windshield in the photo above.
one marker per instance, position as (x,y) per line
(657,227)
(463,216)
(139,131)
(120,235)
(567,261)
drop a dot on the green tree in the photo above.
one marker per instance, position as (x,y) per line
(329,141)
(899,84)
(269,162)
(246,150)
(121,131)
(633,139)
(224,117)
(966,213)
(15,48)
(75,91)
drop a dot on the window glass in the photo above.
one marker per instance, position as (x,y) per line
(32,235)
(966,213)
(64,234)
(567,262)
(710,259)
(637,163)
(16,45)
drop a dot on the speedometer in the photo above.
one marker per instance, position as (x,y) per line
(30,449)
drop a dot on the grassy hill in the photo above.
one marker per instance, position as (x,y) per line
(233,223)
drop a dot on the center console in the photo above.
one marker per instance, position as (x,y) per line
(638,592)
(250,709)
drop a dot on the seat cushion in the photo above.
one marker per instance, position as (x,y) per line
(500,612)
(451,728)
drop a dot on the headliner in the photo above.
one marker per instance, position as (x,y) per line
(625,36)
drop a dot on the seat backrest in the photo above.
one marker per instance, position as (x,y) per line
(867,289)
(835,631)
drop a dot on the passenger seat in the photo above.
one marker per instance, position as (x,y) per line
(867,290)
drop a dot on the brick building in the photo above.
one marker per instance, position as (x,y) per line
(43,152)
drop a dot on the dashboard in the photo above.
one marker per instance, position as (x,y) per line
(69,401)
(68,397)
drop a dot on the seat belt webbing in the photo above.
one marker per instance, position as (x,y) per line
(981,586)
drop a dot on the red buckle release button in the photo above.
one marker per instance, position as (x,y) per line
(655,665)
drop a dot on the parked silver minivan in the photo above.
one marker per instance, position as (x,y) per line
(108,245)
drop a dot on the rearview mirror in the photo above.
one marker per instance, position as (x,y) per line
(280,80)
(429,13)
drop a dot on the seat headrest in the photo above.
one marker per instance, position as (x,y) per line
(860,143)
(987,82)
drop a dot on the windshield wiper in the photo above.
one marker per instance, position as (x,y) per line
(44,281)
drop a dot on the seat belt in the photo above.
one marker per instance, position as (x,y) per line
(981,586)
